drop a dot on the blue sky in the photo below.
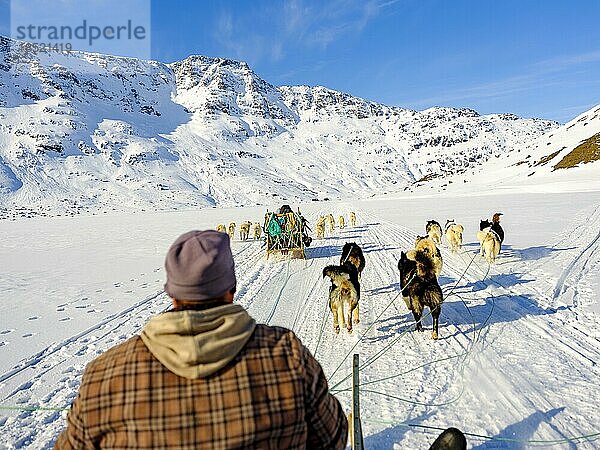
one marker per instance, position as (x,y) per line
(532,58)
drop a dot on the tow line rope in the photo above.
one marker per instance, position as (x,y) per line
(323,317)
(389,345)
(574,439)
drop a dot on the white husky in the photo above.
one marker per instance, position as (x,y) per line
(454,233)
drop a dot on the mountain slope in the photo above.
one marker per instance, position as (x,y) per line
(572,145)
(88,132)
(563,159)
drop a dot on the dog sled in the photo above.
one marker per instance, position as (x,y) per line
(286,233)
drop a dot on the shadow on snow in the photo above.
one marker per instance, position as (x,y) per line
(391,436)
(524,254)
(523,430)
(494,309)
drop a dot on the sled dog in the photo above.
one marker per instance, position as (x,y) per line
(344,294)
(320,227)
(256,230)
(490,246)
(496,226)
(434,231)
(484,228)
(231,230)
(352,253)
(221,228)
(342,222)
(489,241)
(352,218)
(420,288)
(245,230)
(453,233)
(427,246)
(331,223)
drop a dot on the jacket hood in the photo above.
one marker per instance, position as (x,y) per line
(195,344)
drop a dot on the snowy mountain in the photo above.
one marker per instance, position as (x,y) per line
(564,159)
(89,132)
(574,145)
(518,352)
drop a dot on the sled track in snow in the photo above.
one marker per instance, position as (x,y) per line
(293,294)
(581,263)
(560,332)
(51,377)
(539,398)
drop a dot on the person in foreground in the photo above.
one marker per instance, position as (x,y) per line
(204,374)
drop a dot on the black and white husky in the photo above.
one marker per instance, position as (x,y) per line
(496,228)
(344,294)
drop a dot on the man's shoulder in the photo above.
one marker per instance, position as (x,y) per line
(271,334)
(275,340)
(118,355)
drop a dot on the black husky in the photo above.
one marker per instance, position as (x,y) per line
(351,252)
(483,224)
(496,228)
(420,288)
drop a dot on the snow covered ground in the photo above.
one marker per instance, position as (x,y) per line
(517,358)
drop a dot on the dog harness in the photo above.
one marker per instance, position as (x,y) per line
(414,274)
(348,255)
(495,234)
(448,225)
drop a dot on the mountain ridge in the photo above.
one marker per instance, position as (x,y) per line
(85,132)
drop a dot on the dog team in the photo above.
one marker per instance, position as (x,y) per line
(256,228)
(245,228)
(419,268)
(328,222)
(419,271)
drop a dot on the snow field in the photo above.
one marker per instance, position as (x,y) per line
(514,360)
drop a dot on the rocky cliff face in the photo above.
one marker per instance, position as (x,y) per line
(89,132)
(217,85)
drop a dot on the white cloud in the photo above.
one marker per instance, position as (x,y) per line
(541,74)
(565,61)
(270,32)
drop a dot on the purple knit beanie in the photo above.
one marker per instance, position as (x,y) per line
(199,266)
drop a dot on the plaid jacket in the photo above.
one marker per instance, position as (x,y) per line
(273,395)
